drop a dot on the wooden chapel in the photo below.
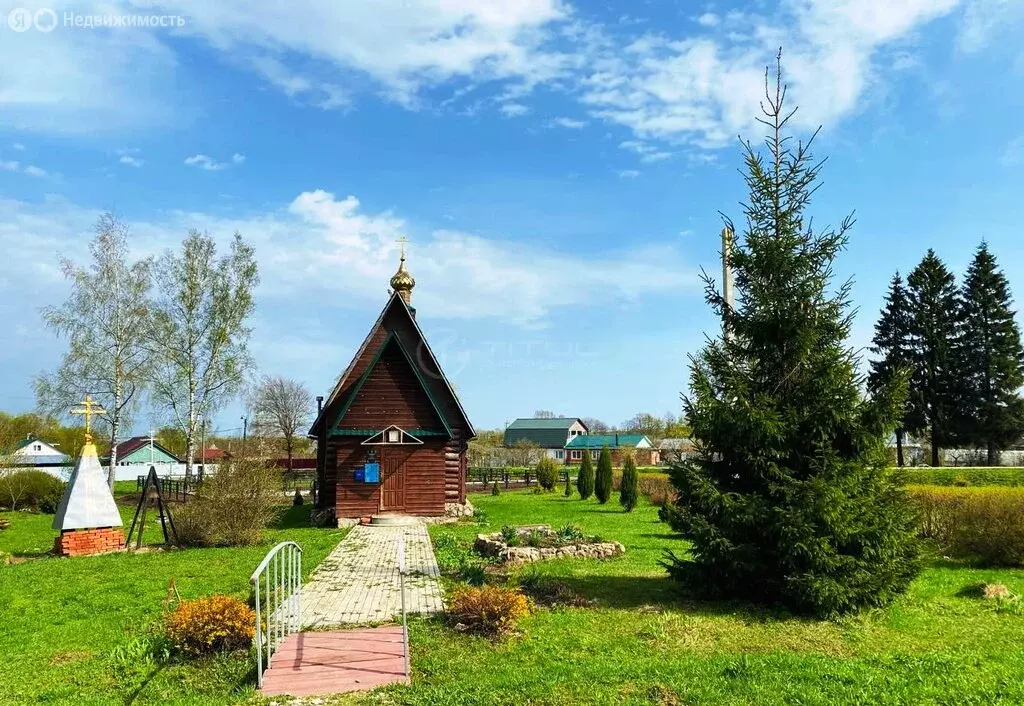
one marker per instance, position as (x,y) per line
(392,435)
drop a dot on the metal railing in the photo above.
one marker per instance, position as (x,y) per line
(177,489)
(280,601)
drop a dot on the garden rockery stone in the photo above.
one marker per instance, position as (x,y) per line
(494,545)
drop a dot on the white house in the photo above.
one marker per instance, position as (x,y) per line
(552,435)
(36,452)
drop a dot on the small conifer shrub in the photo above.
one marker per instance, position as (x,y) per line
(628,485)
(585,477)
(603,480)
(547,473)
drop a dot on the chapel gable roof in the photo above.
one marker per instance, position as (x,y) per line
(396,323)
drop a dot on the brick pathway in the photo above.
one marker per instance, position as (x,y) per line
(335,662)
(358,582)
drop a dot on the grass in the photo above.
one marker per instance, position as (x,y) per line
(70,630)
(644,644)
(71,627)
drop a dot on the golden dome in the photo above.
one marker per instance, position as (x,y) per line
(403,282)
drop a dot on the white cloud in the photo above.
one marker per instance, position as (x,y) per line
(208,163)
(569,123)
(321,93)
(985,20)
(704,90)
(513,110)
(405,45)
(18,146)
(697,89)
(131,161)
(628,174)
(648,153)
(86,81)
(302,246)
(29,169)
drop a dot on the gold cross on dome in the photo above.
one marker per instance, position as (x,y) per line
(402,241)
(88,409)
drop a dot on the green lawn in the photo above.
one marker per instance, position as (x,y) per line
(643,644)
(68,627)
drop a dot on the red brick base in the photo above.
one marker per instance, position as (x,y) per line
(101,540)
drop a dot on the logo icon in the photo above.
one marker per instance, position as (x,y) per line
(45,19)
(20,20)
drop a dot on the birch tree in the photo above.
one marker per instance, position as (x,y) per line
(199,334)
(104,320)
(283,407)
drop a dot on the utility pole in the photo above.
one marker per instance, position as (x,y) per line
(727,240)
(151,440)
(245,428)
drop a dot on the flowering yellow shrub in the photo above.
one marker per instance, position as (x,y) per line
(490,610)
(211,624)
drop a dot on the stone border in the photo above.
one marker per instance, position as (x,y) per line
(493,545)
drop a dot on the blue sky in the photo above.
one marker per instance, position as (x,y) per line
(557,167)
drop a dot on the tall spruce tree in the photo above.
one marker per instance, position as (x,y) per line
(892,344)
(931,405)
(791,499)
(990,370)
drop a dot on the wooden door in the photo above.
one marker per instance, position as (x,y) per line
(392,479)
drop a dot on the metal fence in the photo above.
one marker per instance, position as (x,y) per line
(505,477)
(176,489)
(277,582)
(509,477)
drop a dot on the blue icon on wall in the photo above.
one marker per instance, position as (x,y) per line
(372,473)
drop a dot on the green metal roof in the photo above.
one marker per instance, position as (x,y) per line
(545,433)
(596,441)
(552,423)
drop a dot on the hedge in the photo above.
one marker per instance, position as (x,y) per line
(970,476)
(980,525)
(654,486)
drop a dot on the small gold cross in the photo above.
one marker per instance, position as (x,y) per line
(88,409)
(402,241)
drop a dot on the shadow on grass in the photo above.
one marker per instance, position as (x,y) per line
(137,692)
(662,593)
(292,517)
(626,591)
(671,536)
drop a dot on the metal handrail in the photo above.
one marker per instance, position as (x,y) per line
(281,570)
(405,624)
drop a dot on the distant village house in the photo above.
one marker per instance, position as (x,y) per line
(551,435)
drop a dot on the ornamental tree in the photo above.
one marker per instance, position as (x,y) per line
(628,486)
(603,480)
(893,346)
(990,360)
(585,477)
(790,500)
(934,332)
